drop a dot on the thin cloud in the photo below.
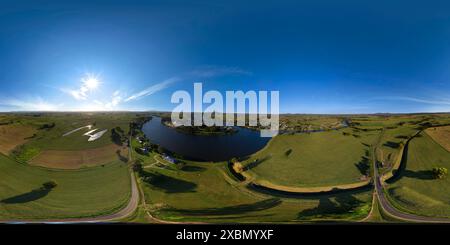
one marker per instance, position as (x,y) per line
(418,100)
(152,89)
(213,71)
(86,85)
(116,99)
(37,104)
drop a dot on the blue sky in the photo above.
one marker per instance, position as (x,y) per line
(323,56)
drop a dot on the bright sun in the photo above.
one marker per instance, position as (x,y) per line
(91,83)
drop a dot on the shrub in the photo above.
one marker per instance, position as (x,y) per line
(49,185)
(238,168)
(439,172)
(137,166)
(288,152)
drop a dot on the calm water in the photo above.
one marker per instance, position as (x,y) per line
(208,148)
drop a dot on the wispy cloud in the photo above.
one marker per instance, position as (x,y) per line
(88,83)
(418,100)
(213,71)
(153,89)
(37,104)
(116,99)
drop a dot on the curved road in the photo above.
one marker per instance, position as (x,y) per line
(121,214)
(387,206)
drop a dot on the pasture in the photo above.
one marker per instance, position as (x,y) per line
(208,193)
(311,160)
(62,159)
(13,135)
(441,135)
(51,128)
(79,193)
(415,190)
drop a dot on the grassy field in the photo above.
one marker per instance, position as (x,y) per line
(415,190)
(13,135)
(81,158)
(51,138)
(206,192)
(441,135)
(79,193)
(315,159)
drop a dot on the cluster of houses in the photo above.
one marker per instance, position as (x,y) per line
(145,149)
(169,158)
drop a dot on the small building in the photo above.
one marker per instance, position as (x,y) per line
(169,159)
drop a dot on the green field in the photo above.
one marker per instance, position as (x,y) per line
(206,192)
(81,193)
(314,159)
(52,138)
(415,190)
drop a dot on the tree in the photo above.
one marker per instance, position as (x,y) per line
(238,168)
(288,152)
(161,150)
(137,166)
(439,172)
(49,185)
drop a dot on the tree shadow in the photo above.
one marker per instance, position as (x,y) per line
(392,144)
(397,174)
(342,204)
(255,163)
(401,137)
(363,166)
(121,158)
(421,174)
(188,168)
(33,195)
(309,196)
(168,184)
(231,210)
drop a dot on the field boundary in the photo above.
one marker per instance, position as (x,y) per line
(398,162)
(251,179)
(429,135)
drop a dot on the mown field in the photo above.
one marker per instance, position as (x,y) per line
(441,135)
(48,137)
(208,193)
(314,159)
(415,190)
(60,159)
(79,193)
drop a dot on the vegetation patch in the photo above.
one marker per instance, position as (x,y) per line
(33,193)
(14,135)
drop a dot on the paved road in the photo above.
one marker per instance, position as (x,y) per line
(123,213)
(386,205)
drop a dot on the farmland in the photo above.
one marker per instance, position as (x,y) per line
(12,136)
(80,193)
(203,192)
(61,159)
(416,190)
(302,175)
(91,178)
(315,159)
(441,135)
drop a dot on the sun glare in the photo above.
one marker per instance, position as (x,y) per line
(91,83)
